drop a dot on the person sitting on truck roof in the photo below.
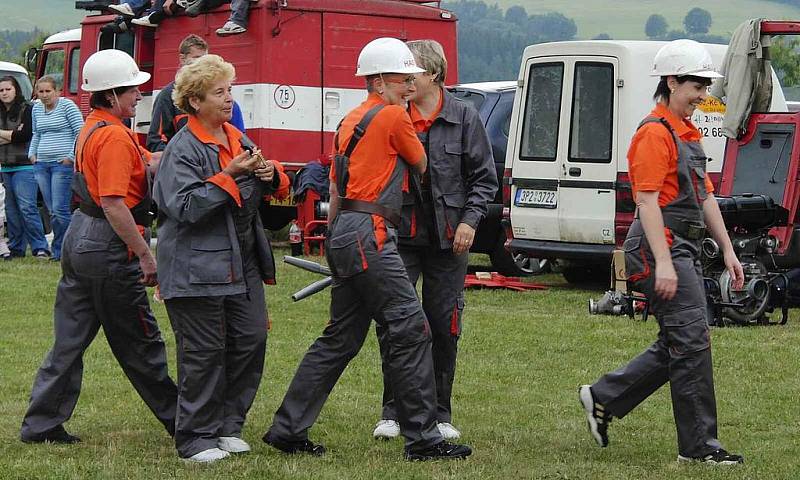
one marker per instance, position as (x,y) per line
(129,9)
(237,22)
(675,207)
(156,13)
(440,214)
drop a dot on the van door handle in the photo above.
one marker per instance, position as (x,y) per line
(574,172)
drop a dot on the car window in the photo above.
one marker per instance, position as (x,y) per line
(475,98)
(54,65)
(542,112)
(592,113)
(74,69)
(120,41)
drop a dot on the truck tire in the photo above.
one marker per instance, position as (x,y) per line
(587,275)
(516,265)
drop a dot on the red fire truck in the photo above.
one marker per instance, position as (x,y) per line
(295,64)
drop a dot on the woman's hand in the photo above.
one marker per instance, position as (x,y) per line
(734,269)
(462,241)
(666,279)
(33,159)
(266,171)
(242,164)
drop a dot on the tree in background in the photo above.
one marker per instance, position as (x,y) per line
(785,53)
(602,36)
(697,21)
(517,15)
(552,27)
(14,44)
(656,26)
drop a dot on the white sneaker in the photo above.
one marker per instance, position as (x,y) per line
(123,9)
(208,456)
(386,429)
(448,431)
(230,28)
(233,445)
(145,21)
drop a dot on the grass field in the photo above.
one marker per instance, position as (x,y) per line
(522,356)
(625,19)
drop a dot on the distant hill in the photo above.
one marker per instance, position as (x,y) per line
(47,15)
(625,19)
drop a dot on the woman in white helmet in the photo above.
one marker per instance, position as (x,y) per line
(374,147)
(106,261)
(675,209)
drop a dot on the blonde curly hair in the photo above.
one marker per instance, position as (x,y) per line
(194,80)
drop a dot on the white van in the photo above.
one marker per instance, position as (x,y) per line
(576,108)
(20,75)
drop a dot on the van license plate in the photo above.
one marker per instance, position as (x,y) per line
(527,197)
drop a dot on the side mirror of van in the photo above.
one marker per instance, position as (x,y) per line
(31,56)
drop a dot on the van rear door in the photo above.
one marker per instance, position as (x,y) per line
(536,164)
(588,151)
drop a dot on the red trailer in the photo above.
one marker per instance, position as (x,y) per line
(295,65)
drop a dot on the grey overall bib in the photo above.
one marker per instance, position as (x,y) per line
(369,282)
(682,353)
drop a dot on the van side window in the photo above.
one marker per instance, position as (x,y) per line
(54,65)
(74,69)
(120,41)
(592,113)
(542,112)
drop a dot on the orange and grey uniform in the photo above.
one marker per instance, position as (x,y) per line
(369,282)
(99,287)
(213,259)
(459,183)
(682,353)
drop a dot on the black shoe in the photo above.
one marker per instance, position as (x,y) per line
(297,446)
(193,9)
(442,450)
(718,457)
(596,415)
(56,435)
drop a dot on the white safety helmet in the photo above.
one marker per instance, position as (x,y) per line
(386,55)
(683,57)
(109,69)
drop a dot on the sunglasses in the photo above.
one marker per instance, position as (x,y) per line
(409,80)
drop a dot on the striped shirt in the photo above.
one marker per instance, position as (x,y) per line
(55,132)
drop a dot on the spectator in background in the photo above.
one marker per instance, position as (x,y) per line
(56,122)
(237,22)
(24,223)
(5,253)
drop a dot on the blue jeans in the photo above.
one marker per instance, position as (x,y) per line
(24,223)
(55,183)
(137,4)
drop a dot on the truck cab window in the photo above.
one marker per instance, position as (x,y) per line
(54,65)
(542,112)
(592,113)
(74,69)
(120,41)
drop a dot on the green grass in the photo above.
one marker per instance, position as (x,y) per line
(522,356)
(625,19)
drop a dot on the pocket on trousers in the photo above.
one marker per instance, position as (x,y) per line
(686,331)
(406,324)
(637,268)
(347,255)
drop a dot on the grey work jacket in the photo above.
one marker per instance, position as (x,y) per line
(198,248)
(461,169)
(747,85)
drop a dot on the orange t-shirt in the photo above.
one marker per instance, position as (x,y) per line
(226,154)
(371,165)
(653,156)
(422,124)
(112,160)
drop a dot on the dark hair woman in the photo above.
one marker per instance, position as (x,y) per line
(24,223)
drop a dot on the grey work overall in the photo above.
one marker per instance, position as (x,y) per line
(682,353)
(99,286)
(221,343)
(442,291)
(369,282)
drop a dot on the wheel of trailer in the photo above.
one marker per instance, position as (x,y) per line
(587,275)
(517,264)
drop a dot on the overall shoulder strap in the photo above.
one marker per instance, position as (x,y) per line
(79,158)
(361,129)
